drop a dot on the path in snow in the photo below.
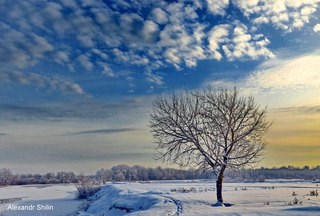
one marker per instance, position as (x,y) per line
(178,203)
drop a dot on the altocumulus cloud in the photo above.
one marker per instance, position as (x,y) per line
(283,14)
(316,28)
(53,83)
(99,37)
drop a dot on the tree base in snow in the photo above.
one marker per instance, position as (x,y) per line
(221,204)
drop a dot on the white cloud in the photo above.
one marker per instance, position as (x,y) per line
(237,43)
(149,31)
(153,78)
(20,49)
(218,35)
(193,55)
(295,73)
(307,10)
(316,28)
(180,13)
(150,34)
(217,7)
(291,74)
(182,45)
(62,57)
(54,83)
(283,14)
(85,62)
(100,53)
(280,82)
(159,16)
(246,46)
(130,57)
(106,69)
(171,55)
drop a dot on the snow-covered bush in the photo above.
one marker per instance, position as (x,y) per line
(86,189)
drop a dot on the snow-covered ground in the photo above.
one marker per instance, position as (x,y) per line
(179,198)
(39,200)
(196,198)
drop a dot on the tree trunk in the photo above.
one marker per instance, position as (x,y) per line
(219,186)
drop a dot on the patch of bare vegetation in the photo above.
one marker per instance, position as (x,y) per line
(192,189)
(87,188)
(313,193)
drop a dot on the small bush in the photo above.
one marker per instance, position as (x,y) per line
(193,189)
(295,201)
(314,193)
(86,190)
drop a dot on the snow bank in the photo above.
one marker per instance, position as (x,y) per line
(111,200)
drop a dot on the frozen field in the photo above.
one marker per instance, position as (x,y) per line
(40,200)
(173,198)
(166,198)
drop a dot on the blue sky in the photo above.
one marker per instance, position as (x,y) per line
(77,78)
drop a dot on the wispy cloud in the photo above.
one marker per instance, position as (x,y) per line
(280,82)
(73,110)
(294,73)
(301,72)
(53,83)
(102,131)
(301,109)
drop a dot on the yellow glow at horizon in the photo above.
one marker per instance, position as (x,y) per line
(294,139)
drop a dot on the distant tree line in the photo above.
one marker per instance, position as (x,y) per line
(7,177)
(284,172)
(140,173)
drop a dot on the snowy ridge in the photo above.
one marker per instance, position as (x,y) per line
(111,200)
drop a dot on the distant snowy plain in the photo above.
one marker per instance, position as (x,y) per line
(175,198)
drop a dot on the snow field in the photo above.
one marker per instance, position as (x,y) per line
(196,198)
(62,199)
(167,198)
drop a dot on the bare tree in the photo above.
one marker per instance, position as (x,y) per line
(209,130)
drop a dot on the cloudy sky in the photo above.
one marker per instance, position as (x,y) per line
(77,78)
